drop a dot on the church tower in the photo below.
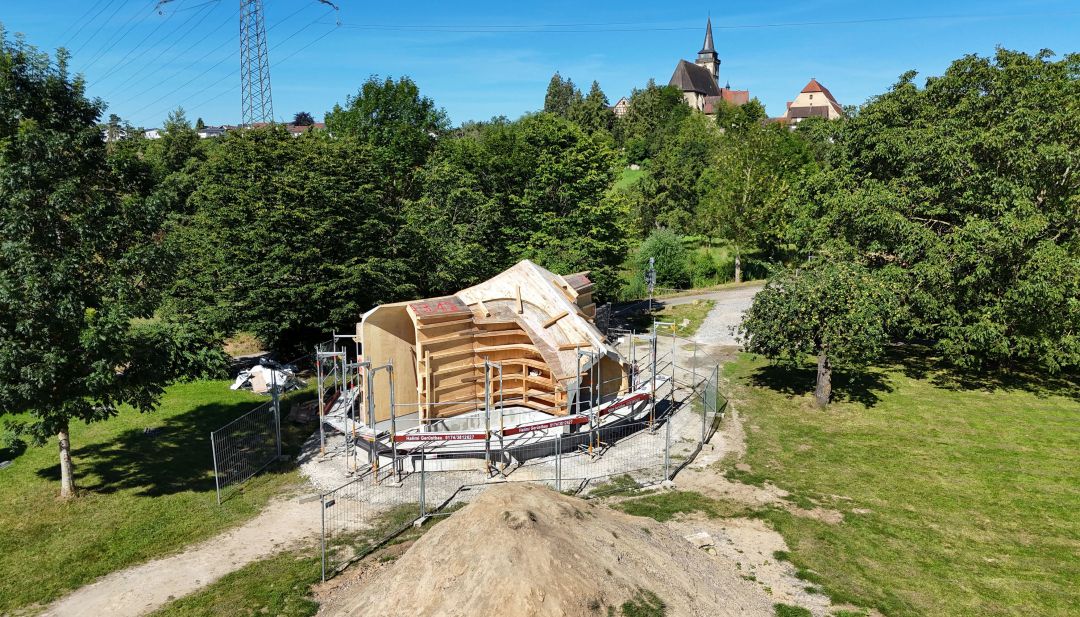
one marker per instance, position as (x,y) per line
(707,57)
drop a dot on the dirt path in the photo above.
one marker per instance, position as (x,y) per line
(149,586)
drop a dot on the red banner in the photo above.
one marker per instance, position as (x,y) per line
(539,426)
(440,437)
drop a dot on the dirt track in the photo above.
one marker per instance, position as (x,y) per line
(144,588)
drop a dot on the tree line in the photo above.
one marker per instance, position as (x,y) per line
(126,263)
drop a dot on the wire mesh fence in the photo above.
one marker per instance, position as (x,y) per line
(367,511)
(245,446)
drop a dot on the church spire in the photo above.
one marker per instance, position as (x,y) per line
(708,46)
(707,57)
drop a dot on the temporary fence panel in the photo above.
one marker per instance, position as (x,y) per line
(245,446)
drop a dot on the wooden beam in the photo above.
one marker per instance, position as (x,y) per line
(551,322)
(483,309)
(521,307)
(571,346)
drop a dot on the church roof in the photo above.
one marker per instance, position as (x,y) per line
(690,77)
(815,87)
(708,46)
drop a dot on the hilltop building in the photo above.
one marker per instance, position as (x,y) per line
(815,101)
(700,80)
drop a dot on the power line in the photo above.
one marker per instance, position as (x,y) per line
(234,74)
(99,28)
(194,21)
(131,24)
(611,26)
(121,63)
(80,22)
(219,63)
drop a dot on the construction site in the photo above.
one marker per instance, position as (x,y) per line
(430,402)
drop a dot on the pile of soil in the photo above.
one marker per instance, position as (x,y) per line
(525,550)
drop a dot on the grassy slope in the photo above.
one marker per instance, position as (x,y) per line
(972,494)
(627,178)
(141,496)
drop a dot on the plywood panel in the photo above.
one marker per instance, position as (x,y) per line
(389,336)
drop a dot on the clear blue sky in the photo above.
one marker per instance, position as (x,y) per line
(495,58)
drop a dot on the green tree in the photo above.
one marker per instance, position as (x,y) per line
(397,122)
(739,117)
(670,194)
(290,237)
(503,191)
(591,112)
(199,124)
(303,118)
(966,192)
(562,95)
(746,188)
(837,311)
(78,258)
(654,113)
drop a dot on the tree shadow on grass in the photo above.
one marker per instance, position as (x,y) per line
(858,386)
(922,362)
(172,457)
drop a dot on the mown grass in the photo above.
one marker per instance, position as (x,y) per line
(279,585)
(960,496)
(141,495)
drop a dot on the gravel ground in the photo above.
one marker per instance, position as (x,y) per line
(718,327)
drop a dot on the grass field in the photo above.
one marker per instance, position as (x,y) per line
(693,313)
(958,499)
(141,496)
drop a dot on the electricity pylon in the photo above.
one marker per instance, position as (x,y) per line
(255,101)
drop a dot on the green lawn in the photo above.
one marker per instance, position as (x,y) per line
(279,585)
(957,500)
(141,496)
(627,178)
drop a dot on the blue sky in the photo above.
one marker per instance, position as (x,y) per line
(483,59)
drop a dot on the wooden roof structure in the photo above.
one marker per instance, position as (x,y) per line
(526,318)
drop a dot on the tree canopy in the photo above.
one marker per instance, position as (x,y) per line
(966,193)
(837,311)
(81,258)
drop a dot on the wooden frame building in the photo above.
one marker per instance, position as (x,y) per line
(527,319)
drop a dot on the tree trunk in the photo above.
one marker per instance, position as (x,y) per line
(67,483)
(738,265)
(823,392)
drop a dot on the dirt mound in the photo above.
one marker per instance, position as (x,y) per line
(524,550)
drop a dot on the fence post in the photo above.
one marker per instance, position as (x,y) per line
(558,463)
(423,479)
(667,448)
(322,538)
(276,403)
(217,483)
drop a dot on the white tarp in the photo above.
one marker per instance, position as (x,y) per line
(259,378)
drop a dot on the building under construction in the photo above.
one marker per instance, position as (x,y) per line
(516,357)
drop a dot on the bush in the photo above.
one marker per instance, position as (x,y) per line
(671,258)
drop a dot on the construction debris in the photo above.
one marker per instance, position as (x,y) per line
(259,379)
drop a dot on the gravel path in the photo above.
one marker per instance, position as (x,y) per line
(731,304)
(144,588)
